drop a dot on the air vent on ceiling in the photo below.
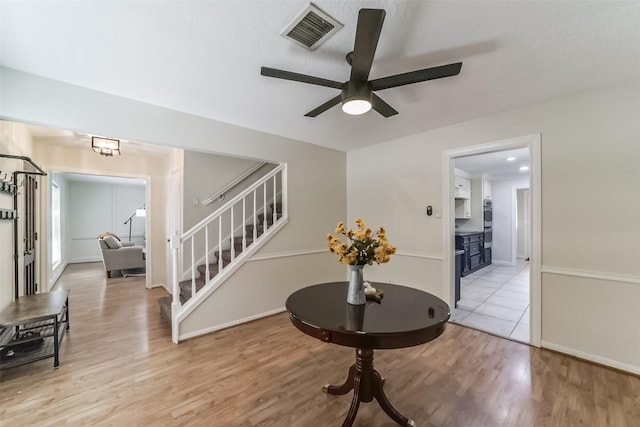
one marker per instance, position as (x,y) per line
(311,28)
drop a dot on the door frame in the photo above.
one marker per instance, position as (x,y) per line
(46,226)
(532,142)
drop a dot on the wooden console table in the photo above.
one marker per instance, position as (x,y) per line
(32,328)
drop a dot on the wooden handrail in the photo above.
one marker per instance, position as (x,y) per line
(238,180)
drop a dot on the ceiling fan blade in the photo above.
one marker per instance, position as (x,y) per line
(382,107)
(367,34)
(416,76)
(296,77)
(324,107)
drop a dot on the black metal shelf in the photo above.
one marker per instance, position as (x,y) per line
(33,341)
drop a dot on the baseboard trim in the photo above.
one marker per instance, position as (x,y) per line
(55,275)
(599,360)
(420,255)
(161,285)
(87,259)
(496,262)
(286,254)
(597,275)
(231,324)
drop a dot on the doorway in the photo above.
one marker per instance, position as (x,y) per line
(491,289)
(84,205)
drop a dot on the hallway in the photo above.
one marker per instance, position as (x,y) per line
(495,299)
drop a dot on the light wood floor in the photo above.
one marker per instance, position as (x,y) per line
(120,368)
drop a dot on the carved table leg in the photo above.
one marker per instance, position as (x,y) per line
(386,406)
(355,402)
(344,388)
(366,384)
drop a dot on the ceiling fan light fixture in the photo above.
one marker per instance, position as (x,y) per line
(356,106)
(356,98)
(357,94)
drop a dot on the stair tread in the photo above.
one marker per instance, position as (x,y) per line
(186,284)
(165,307)
(199,281)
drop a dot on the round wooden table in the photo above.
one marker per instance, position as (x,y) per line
(405,317)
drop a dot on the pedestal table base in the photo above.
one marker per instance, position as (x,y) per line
(366,384)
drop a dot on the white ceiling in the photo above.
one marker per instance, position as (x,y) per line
(66,138)
(204,57)
(495,165)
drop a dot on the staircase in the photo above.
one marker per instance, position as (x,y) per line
(211,265)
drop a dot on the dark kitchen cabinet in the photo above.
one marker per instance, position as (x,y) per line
(458,272)
(475,255)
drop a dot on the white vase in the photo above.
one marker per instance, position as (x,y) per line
(355,292)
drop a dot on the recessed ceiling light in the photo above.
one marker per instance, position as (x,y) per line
(510,159)
(524,168)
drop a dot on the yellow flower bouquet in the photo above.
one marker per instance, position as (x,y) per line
(364,246)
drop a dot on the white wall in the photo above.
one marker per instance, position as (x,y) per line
(590,215)
(15,141)
(502,195)
(294,258)
(205,174)
(94,208)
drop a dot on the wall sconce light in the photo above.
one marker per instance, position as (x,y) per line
(105,146)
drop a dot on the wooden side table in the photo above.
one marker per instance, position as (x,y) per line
(32,328)
(406,317)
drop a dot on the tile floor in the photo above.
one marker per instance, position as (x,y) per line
(495,299)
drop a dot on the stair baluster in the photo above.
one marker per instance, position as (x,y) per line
(207,274)
(244,221)
(255,229)
(233,249)
(219,243)
(193,267)
(274,215)
(264,208)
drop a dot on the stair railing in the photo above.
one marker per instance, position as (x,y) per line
(220,227)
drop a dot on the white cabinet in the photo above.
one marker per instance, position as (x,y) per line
(462,186)
(463,208)
(486,189)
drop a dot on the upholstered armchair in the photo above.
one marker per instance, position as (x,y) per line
(117,255)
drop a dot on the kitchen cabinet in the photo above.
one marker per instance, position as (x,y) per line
(459,254)
(462,185)
(486,189)
(476,256)
(463,208)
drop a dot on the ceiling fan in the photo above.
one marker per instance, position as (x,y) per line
(357,95)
